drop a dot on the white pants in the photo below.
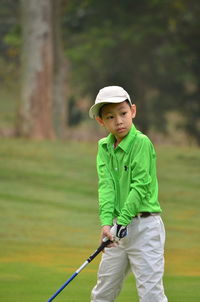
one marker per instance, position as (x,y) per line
(142,252)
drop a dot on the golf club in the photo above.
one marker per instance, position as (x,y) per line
(99,249)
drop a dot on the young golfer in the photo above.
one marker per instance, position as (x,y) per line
(128,202)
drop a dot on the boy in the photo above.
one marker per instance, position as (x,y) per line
(128,200)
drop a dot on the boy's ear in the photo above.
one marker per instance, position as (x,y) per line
(99,120)
(133,110)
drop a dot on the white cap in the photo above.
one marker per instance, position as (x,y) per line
(106,95)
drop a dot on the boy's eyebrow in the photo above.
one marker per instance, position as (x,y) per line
(122,107)
(107,111)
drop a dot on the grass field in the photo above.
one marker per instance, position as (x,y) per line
(49,221)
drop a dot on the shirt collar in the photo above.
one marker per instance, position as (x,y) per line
(125,143)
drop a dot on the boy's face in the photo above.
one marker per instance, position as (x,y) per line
(117,119)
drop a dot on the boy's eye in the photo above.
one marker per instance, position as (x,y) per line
(124,113)
(109,117)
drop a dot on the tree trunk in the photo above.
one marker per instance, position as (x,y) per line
(60,75)
(37,59)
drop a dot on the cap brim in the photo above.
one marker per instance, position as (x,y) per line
(94,110)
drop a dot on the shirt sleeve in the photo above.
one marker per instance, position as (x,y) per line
(140,181)
(106,191)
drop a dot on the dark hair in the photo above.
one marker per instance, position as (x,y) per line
(100,110)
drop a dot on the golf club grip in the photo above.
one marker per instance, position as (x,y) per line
(100,248)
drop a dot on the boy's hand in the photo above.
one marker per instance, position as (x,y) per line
(118,231)
(105,233)
(114,233)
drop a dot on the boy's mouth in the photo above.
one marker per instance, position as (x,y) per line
(119,130)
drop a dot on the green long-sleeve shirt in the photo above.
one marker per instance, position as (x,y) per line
(127,178)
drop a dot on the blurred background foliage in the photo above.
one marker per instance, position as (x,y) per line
(150,47)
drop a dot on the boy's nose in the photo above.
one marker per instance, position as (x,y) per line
(118,120)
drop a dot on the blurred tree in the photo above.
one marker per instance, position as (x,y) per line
(42,112)
(150,47)
(9,43)
(178,64)
(9,28)
(113,43)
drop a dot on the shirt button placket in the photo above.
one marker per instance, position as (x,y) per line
(115,165)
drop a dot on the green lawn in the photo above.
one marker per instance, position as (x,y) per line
(49,221)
